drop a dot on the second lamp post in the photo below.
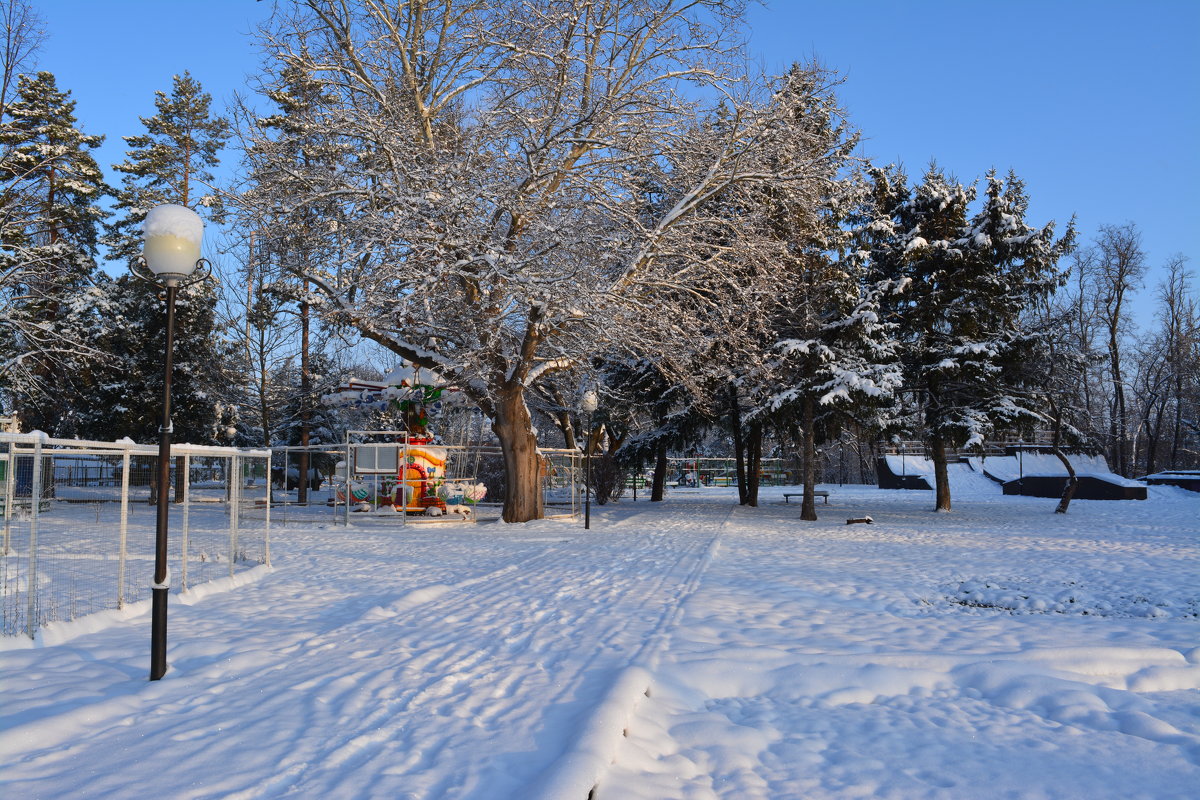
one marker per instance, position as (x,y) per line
(588,404)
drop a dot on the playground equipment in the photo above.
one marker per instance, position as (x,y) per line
(403,475)
(404,471)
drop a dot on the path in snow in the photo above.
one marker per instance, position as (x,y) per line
(998,651)
(417,663)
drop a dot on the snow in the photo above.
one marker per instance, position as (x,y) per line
(174,220)
(909,465)
(687,649)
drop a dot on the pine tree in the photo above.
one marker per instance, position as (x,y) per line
(971,282)
(52,186)
(170,163)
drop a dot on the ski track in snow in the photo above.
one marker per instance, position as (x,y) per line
(691,649)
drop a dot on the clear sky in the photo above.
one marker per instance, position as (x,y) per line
(1094,103)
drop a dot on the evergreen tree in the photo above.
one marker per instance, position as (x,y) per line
(287,238)
(170,163)
(48,243)
(972,281)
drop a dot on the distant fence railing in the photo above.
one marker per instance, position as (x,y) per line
(79,523)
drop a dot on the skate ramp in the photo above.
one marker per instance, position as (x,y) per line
(916,472)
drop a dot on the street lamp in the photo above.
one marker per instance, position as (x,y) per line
(589,403)
(171,253)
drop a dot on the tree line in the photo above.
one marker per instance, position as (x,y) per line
(536,200)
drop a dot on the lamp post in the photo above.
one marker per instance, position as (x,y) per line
(589,404)
(171,252)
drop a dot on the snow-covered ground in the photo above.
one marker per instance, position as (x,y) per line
(688,649)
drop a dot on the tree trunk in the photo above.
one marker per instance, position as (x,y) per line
(754,463)
(941,475)
(1119,407)
(305,407)
(735,424)
(1154,436)
(1072,481)
(808,508)
(522,463)
(1177,429)
(659,489)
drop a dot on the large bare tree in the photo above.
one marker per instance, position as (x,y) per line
(489,179)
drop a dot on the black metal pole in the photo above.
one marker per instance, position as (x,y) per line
(158,615)
(587,475)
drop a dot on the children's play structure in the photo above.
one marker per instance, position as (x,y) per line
(404,475)
(404,471)
(436,466)
(1029,470)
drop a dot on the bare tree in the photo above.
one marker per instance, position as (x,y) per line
(483,202)
(1179,325)
(23,36)
(1119,265)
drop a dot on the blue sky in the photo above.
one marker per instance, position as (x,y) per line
(1094,103)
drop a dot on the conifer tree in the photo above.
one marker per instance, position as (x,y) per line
(171,162)
(52,186)
(971,281)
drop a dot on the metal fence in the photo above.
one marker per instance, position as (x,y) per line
(79,523)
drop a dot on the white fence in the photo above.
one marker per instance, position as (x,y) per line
(79,523)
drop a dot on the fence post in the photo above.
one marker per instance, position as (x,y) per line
(235,500)
(267,531)
(10,479)
(35,503)
(124,530)
(187,507)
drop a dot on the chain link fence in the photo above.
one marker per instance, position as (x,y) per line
(79,523)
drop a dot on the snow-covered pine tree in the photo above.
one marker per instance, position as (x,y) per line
(807,341)
(838,358)
(171,162)
(972,281)
(48,242)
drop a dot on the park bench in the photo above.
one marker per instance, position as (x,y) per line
(816,493)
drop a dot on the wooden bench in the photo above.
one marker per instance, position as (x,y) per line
(816,493)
